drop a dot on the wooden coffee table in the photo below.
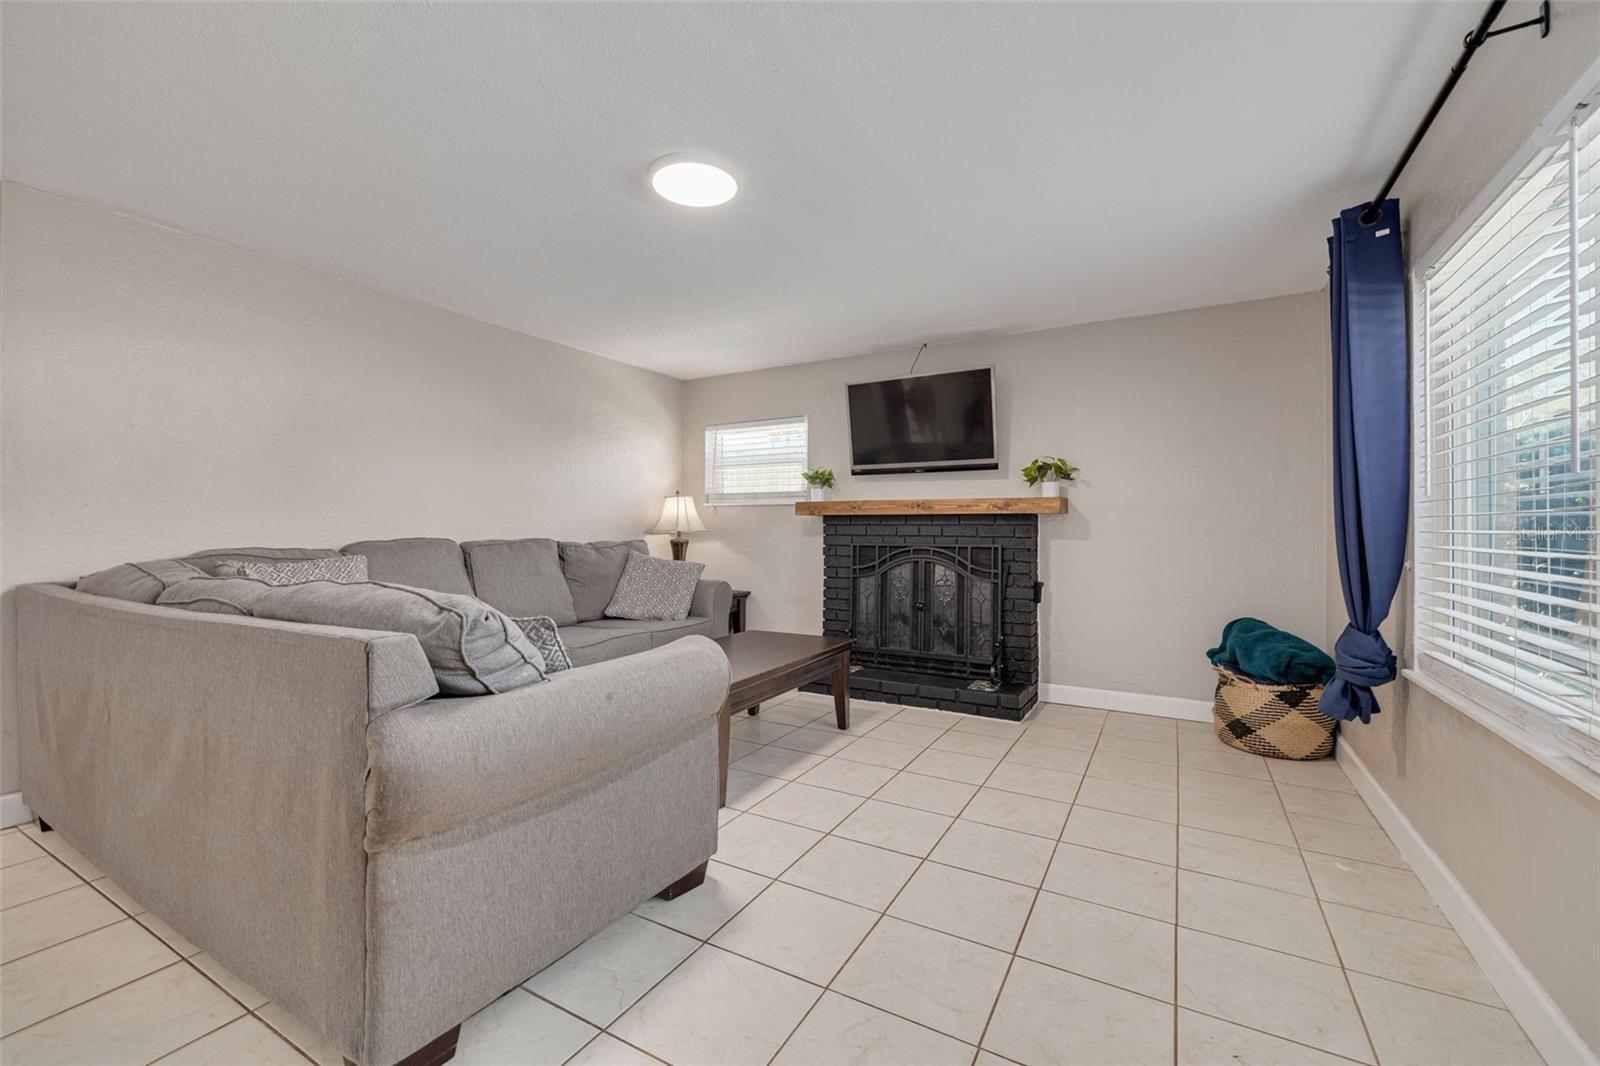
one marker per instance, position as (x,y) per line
(767,664)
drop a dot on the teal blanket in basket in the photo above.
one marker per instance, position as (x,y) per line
(1267,654)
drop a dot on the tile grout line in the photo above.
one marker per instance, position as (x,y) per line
(122,916)
(602,1034)
(1177,899)
(47,895)
(600,1030)
(1011,963)
(1344,973)
(248,1014)
(281,1035)
(98,995)
(884,913)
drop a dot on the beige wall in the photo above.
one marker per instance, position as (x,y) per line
(164,393)
(1203,442)
(1523,841)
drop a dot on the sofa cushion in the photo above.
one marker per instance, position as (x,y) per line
(448,763)
(542,632)
(652,589)
(138,582)
(343,568)
(472,648)
(659,632)
(588,642)
(523,578)
(417,562)
(592,571)
(211,558)
(217,595)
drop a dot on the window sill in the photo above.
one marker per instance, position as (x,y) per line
(1538,748)
(757,501)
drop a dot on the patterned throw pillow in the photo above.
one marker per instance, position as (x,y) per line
(653,589)
(542,632)
(345,569)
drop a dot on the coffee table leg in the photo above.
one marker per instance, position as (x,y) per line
(722,754)
(841,691)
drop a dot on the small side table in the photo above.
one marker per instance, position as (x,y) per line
(737,615)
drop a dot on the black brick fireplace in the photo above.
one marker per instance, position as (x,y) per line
(943,608)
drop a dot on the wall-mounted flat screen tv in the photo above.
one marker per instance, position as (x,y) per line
(922,424)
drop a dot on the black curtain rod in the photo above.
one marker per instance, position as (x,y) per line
(1471,44)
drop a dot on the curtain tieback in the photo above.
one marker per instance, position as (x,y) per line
(1362,660)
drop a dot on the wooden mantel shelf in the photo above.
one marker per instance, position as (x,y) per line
(979,505)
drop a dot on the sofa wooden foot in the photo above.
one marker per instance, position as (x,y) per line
(440,1049)
(693,879)
(44,826)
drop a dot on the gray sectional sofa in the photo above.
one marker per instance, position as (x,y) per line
(296,800)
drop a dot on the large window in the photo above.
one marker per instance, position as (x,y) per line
(756,462)
(1507,604)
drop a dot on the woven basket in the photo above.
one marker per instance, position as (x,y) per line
(1278,721)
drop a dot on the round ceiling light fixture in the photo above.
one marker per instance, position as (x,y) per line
(691,182)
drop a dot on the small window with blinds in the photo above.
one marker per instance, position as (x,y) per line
(756,462)
(1507,593)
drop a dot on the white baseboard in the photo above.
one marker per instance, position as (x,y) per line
(1109,699)
(1545,1023)
(13,811)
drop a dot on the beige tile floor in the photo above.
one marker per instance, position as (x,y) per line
(926,888)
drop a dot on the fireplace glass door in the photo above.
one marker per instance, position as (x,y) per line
(928,610)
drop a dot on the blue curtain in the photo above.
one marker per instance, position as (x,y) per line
(1371,457)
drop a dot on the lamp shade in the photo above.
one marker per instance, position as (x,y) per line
(678,516)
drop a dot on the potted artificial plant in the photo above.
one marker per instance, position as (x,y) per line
(1048,472)
(820,482)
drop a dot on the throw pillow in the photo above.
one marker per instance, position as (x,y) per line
(654,589)
(473,648)
(542,632)
(138,582)
(212,558)
(341,568)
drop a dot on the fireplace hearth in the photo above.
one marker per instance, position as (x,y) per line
(943,608)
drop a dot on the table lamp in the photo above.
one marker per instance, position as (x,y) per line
(678,517)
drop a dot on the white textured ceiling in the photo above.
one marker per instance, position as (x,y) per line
(909,172)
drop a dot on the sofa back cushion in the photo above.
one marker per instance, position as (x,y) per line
(473,649)
(592,571)
(138,582)
(523,578)
(215,595)
(418,562)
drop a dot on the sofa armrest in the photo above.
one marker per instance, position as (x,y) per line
(713,599)
(454,761)
(214,766)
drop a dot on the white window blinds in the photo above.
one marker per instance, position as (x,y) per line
(1506,605)
(756,462)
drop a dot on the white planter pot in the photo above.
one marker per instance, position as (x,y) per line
(1051,487)
(816,493)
